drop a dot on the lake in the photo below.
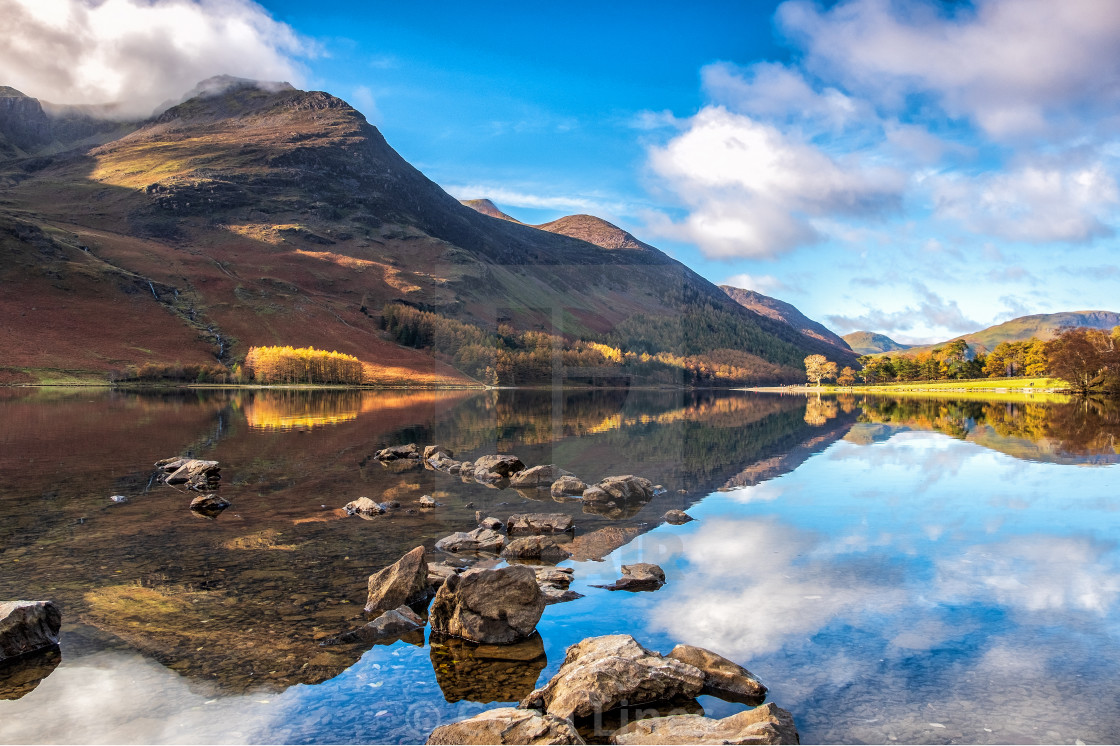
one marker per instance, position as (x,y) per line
(919,570)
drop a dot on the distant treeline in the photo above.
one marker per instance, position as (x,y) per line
(509,357)
(301,365)
(172,373)
(1088,359)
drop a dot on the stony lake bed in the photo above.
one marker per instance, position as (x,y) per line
(912,570)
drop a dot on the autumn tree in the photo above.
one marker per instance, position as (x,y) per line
(818,368)
(847,377)
(1083,357)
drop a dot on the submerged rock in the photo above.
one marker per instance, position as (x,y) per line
(603,673)
(641,576)
(768,724)
(568,487)
(677,517)
(392,625)
(486,673)
(538,476)
(723,678)
(401,583)
(364,505)
(479,540)
(29,626)
(209,505)
(394,453)
(507,725)
(493,606)
(529,524)
(539,548)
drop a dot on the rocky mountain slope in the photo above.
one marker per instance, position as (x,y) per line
(260,214)
(787,313)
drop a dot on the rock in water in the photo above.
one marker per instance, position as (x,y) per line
(27,626)
(197,475)
(209,505)
(723,678)
(427,501)
(535,548)
(401,583)
(493,468)
(364,505)
(529,524)
(568,487)
(538,476)
(434,451)
(491,523)
(486,673)
(554,582)
(507,725)
(492,606)
(396,453)
(677,517)
(479,540)
(602,673)
(641,576)
(626,488)
(439,572)
(763,725)
(392,625)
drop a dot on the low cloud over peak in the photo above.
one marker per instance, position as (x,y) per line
(140,53)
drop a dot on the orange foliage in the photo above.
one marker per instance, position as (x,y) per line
(302,365)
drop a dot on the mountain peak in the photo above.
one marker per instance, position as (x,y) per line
(6,91)
(596,231)
(486,207)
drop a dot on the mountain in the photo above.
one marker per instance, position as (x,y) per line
(1044,326)
(787,314)
(254,214)
(584,227)
(870,343)
(486,207)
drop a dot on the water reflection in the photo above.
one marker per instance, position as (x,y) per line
(487,673)
(20,677)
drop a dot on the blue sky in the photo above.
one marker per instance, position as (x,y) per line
(915,168)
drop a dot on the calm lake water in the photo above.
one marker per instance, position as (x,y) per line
(920,570)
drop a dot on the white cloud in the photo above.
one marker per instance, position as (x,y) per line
(765,284)
(1011,66)
(1036,203)
(752,190)
(590,204)
(140,52)
(931,311)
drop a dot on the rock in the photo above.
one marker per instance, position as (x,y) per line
(568,487)
(596,545)
(554,582)
(723,678)
(677,517)
(171,464)
(197,475)
(209,505)
(478,517)
(762,725)
(439,572)
(396,453)
(507,725)
(427,501)
(401,583)
(454,467)
(538,476)
(486,673)
(479,540)
(528,524)
(491,523)
(118,498)
(364,505)
(493,606)
(627,488)
(27,626)
(432,451)
(494,468)
(535,548)
(602,673)
(642,576)
(390,626)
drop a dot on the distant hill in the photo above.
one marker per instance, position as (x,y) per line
(1043,326)
(870,343)
(486,207)
(786,313)
(595,230)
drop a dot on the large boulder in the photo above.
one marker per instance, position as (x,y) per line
(540,548)
(554,582)
(538,476)
(641,576)
(494,468)
(401,583)
(768,724)
(626,488)
(395,453)
(507,725)
(197,474)
(390,626)
(480,540)
(529,524)
(603,673)
(439,572)
(568,487)
(28,626)
(364,506)
(723,678)
(485,605)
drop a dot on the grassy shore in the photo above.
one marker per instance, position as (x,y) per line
(987,389)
